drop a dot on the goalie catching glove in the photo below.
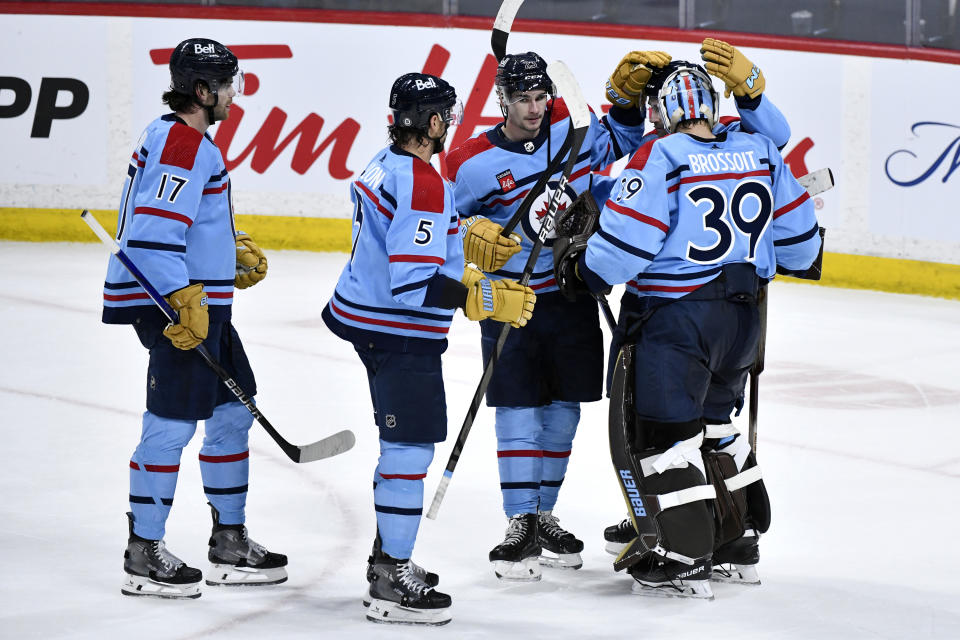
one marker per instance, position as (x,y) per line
(251,263)
(626,83)
(485,246)
(742,77)
(501,300)
(190,303)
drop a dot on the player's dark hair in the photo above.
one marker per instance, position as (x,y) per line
(178,102)
(689,124)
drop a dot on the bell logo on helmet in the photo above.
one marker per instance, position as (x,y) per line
(426,84)
(200,48)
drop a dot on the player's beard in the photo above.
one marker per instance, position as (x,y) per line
(440,141)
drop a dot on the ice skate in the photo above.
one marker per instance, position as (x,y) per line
(398,596)
(655,576)
(429,578)
(618,536)
(236,560)
(561,549)
(151,570)
(517,558)
(736,562)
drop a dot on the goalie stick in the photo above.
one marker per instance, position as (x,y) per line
(330,446)
(815,182)
(579,123)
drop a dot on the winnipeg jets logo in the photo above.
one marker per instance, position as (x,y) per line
(538,210)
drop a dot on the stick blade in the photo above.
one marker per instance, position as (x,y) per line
(501,27)
(569,89)
(816,182)
(330,446)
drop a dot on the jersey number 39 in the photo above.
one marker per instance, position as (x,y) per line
(718,217)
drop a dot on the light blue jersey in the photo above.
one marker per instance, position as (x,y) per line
(493,175)
(406,254)
(685,206)
(175,223)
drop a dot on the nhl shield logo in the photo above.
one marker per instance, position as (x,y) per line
(507,183)
(538,211)
(391,421)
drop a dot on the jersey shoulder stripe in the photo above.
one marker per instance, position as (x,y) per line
(639,159)
(428,191)
(465,151)
(180,149)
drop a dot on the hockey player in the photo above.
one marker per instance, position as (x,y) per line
(547,369)
(395,301)
(697,224)
(176,223)
(757,114)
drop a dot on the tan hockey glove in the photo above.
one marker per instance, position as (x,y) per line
(724,61)
(471,276)
(626,83)
(191,303)
(502,300)
(251,263)
(484,246)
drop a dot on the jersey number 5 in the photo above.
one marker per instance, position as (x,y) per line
(717,219)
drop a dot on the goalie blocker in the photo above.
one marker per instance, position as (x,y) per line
(695,497)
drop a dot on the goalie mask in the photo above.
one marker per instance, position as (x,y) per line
(686,93)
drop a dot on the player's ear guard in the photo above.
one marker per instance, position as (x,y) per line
(501,300)
(191,305)
(484,246)
(741,77)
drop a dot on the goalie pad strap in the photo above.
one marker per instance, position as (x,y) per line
(743,478)
(679,455)
(686,496)
(720,431)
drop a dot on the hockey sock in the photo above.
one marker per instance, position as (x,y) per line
(153,472)
(560,421)
(225,460)
(519,457)
(398,496)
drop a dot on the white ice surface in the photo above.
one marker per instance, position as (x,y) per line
(859,442)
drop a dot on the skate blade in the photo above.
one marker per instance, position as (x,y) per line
(527,570)
(227,575)
(696,589)
(745,574)
(386,612)
(614,548)
(560,560)
(142,586)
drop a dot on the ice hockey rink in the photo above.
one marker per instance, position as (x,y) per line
(859,441)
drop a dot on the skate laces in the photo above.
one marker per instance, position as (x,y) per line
(169,561)
(551,524)
(516,529)
(409,579)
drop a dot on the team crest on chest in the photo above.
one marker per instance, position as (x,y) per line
(505,178)
(538,211)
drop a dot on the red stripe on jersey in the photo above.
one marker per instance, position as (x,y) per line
(126,296)
(793,205)
(728,119)
(233,457)
(375,200)
(404,257)
(464,152)
(556,454)
(520,453)
(639,159)
(180,149)
(157,468)
(665,288)
(389,323)
(636,215)
(403,476)
(718,176)
(428,192)
(219,294)
(544,285)
(507,203)
(578,173)
(453,230)
(160,213)
(559,111)
(219,189)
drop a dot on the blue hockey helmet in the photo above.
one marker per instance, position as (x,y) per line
(201,59)
(414,97)
(686,93)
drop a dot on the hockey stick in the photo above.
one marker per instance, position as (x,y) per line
(326,448)
(580,123)
(815,182)
(501,27)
